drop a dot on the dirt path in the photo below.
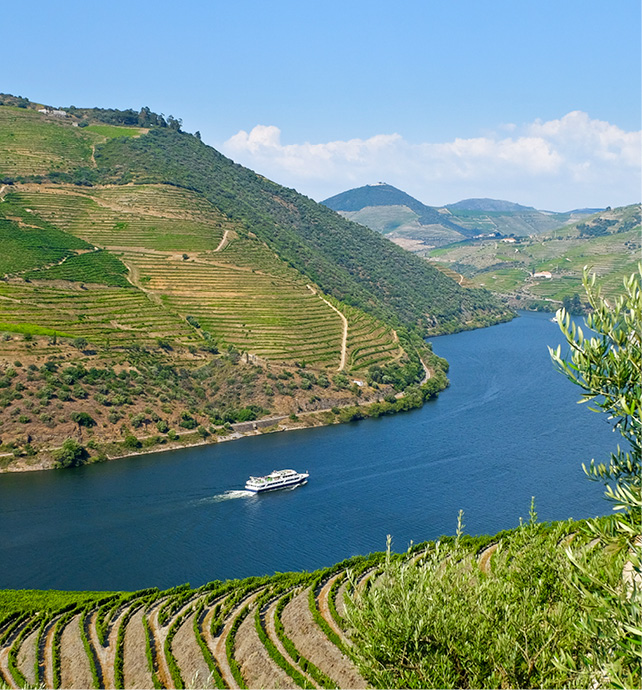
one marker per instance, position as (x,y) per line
(47,653)
(485,556)
(427,372)
(340,600)
(134,278)
(27,657)
(189,657)
(218,648)
(135,669)
(324,609)
(258,668)
(5,674)
(158,636)
(344,339)
(105,660)
(224,241)
(75,671)
(313,644)
(271,631)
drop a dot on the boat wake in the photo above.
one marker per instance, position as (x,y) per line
(231,495)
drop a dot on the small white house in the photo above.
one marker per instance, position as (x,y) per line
(543,274)
(52,112)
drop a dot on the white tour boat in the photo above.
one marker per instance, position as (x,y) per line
(277,479)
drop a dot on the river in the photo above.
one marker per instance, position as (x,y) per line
(508,428)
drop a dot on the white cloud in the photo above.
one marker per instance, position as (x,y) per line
(559,164)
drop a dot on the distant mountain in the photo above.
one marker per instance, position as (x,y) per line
(493,205)
(419,228)
(383,194)
(484,216)
(402,218)
(585,211)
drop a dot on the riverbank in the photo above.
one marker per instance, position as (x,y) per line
(412,398)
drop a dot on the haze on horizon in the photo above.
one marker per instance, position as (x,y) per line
(535,102)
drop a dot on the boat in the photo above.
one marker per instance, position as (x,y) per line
(277,479)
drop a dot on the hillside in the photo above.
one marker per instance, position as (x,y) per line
(608,242)
(420,228)
(483,216)
(386,195)
(139,252)
(400,217)
(308,629)
(495,205)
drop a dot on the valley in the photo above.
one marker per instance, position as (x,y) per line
(543,270)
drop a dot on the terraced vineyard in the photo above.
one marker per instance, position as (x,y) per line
(34,144)
(612,255)
(281,631)
(186,270)
(294,630)
(93,312)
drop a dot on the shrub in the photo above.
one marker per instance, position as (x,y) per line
(131,442)
(71,454)
(83,419)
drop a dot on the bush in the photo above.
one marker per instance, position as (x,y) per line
(131,442)
(83,419)
(71,454)
(443,623)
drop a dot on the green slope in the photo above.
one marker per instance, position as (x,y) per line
(608,243)
(348,261)
(387,195)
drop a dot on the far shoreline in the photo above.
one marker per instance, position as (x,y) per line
(305,420)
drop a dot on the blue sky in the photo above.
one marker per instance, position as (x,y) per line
(536,102)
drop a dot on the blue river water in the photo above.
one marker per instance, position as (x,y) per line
(508,428)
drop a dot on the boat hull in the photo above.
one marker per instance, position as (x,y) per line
(272,487)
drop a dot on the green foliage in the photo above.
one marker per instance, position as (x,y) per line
(19,601)
(119,657)
(229,647)
(26,248)
(215,673)
(83,419)
(607,366)
(32,145)
(441,622)
(112,132)
(320,620)
(72,454)
(271,648)
(149,654)
(131,442)
(316,674)
(89,650)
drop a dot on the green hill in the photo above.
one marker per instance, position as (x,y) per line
(420,228)
(400,217)
(386,195)
(487,205)
(608,242)
(133,247)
